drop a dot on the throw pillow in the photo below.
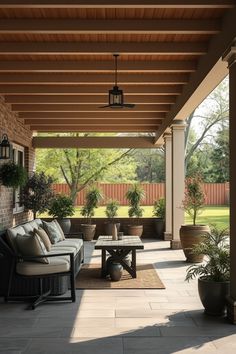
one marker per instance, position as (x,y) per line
(60,229)
(31,245)
(52,231)
(44,237)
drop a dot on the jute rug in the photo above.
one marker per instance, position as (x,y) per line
(89,277)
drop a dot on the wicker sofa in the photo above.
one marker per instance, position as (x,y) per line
(24,275)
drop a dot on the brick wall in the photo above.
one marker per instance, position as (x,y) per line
(19,134)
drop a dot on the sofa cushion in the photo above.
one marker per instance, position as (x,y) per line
(44,237)
(70,242)
(11,236)
(60,229)
(52,231)
(31,245)
(56,265)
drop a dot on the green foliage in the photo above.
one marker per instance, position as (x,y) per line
(194,197)
(150,165)
(61,207)
(135,195)
(112,208)
(215,246)
(92,199)
(159,208)
(38,193)
(13,175)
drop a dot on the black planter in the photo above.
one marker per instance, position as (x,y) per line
(213,296)
(65,225)
(159,227)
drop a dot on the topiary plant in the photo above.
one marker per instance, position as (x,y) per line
(92,199)
(13,175)
(61,207)
(135,195)
(112,208)
(159,208)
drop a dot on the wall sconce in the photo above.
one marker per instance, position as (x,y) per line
(5,148)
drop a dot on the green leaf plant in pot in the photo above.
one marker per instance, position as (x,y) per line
(12,175)
(111,213)
(193,204)
(61,207)
(135,195)
(159,212)
(92,199)
(214,274)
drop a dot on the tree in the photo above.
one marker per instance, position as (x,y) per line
(150,165)
(220,157)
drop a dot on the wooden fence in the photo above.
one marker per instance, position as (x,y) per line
(216,193)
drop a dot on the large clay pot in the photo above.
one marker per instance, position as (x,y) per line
(88,231)
(159,224)
(109,227)
(191,235)
(213,296)
(65,224)
(135,230)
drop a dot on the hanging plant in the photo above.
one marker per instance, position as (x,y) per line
(12,175)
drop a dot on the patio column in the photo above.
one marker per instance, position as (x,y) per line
(230,56)
(168,186)
(178,180)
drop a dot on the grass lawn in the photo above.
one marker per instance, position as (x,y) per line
(218,215)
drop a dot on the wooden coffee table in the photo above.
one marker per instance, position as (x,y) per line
(119,250)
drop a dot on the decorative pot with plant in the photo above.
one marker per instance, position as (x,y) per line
(135,195)
(60,208)
(92,199)
(38,193)
(159,211)
(13,175)
(214,274)
(193,204)
(111,213)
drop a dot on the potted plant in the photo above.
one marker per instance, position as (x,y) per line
(13,175)
(135,195)
(111,212)
(214,274)
(92,199)
(159,211)
(60,208)
(38,193)
(193,204)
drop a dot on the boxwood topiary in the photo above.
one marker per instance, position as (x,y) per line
(13,175)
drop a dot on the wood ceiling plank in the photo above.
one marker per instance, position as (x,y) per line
(67,26)
(97,66)
(93,122)
(114,129)
(104,115)
(85,108)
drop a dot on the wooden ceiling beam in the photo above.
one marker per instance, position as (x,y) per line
(115,4)
(97,66)
(96,48)
(94,79)
(88,89)
(85,108)
(94,100)
(93,142)
(86,115)
(107,129)
(93,122)
(104,26)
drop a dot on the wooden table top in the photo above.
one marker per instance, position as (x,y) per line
(127,242)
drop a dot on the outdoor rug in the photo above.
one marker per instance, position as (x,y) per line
(89,277)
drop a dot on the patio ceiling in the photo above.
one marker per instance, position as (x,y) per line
(56,63)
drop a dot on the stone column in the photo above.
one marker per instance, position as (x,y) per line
(168,186)
(178,180)
(230,56)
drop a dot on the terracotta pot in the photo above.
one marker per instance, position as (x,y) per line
(109,227)
(135,230)
(191,235)
(88,231)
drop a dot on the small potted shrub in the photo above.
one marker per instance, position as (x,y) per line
(135,195)
(13,175)
(193,204)
(61,207)
(111,213)
(214,274)
(92,199)
(159,211)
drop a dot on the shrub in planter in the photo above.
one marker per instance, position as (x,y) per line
(61,207)
(13,175)
(159,211)
(135,195)
(111,213)
(214,274)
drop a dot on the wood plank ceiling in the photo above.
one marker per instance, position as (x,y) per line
(56,63)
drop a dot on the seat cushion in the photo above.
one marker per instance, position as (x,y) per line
(70,242)
(44,237)
(31,245)
(56,265)
(52,231)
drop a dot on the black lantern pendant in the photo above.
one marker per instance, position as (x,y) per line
(116,99)
(5,148)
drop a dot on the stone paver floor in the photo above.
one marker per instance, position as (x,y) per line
(121,321)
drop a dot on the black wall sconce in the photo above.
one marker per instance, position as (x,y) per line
(5,148)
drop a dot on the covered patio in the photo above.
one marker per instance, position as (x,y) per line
(56,69)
